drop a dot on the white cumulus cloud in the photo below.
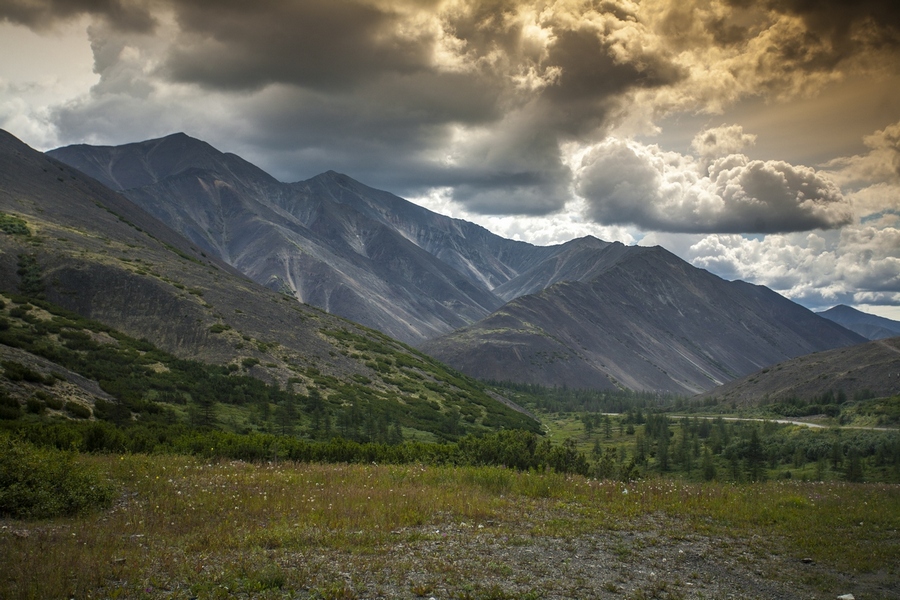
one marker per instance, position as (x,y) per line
(625,182)
(860,264)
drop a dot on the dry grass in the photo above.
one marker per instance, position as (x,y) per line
(188,528)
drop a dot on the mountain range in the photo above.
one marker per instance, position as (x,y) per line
(869,326)
(330,241)
(587,313)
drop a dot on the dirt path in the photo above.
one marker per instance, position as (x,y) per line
(789,422)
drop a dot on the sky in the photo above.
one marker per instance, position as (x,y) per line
(758,139)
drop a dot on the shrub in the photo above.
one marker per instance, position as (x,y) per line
(13,225)
(39,483)
(79,411)
(29,272)
(9,407)
(35,405)
(19,372)
(53,402)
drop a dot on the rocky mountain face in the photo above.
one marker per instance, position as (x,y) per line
(587,313)
(872,368)
(69,239)
(357,252)
(643,319)
(871,327)
(332,242)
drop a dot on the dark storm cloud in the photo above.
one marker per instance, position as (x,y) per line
(362,90)
(840,20)
(517,169)
(239,45)
(511,167)
(44,14)
(834,30)
(479,97)
(389,89)
(592,76)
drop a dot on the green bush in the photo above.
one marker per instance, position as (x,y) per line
(41,483)
(9,407)
(52,402)
(79,411)
(29,272)
(13,225)
(35,405)
(19,372)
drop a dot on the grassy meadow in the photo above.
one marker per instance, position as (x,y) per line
(187,527)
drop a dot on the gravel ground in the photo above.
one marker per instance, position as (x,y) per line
(481,561)
(501,561)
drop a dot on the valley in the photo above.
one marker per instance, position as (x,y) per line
(588,313)
(449,300)
(189,408)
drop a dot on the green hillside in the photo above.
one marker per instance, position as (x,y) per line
(97,291)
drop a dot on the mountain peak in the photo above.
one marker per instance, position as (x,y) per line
(140,164)
(868,325)
(843,308)
(176,142)
(332,176)
(588,240)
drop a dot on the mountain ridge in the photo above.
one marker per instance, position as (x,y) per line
(867,325)
(870,368)
(365,267)
(661,325)
(436,282)
(326,253)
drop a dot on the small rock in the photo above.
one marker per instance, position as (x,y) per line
(846,597)
(807,561)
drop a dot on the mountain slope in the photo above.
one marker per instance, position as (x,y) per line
(481,257)
(871,367)
(294,237)
(869,326)
(331,241)
(72,241)
(578,260)
(647,321)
